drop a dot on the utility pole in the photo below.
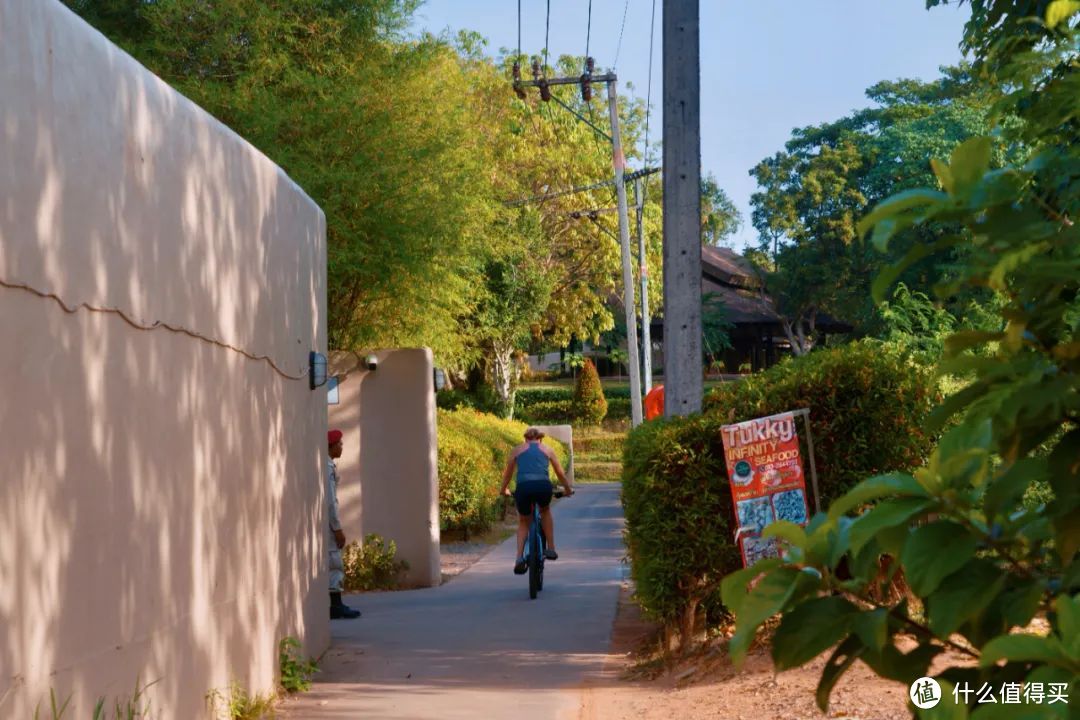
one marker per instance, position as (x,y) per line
(643,274)
(619,164)
(683,382)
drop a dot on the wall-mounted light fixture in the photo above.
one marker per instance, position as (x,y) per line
(317,372)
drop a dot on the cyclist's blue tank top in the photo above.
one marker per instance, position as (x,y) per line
(532,465)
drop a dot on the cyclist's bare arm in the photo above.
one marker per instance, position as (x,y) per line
(559,471)
(508,472)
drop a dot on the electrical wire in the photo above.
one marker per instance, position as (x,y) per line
(618,48)
(648,93)
(519,32)
(588,29)
(157,324)
(547,34)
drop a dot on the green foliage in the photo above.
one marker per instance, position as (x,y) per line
(411,146)
(473,448)
(679,520)
(866,402)
(547,412)
(979,555)
(813,193)
(372,564)
(239,704)
(715,326)
(589,405)
(295,672)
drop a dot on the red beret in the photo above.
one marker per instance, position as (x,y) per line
(333,436)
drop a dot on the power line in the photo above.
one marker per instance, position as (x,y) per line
(547,34)
(648,94)
(519,29)
(588,29)
(618,48)
(628,177)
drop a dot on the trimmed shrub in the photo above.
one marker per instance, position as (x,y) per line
(868,402)
(679,520)
(372,565)
(867,405)
(553,412)
(473,447)
(589,404)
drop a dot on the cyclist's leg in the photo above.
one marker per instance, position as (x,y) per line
(523,502)
(547,521)
(522,532)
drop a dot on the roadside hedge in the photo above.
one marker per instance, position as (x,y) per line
(868,401)
(473,447)
(867,404)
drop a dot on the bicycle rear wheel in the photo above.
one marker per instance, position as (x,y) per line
(536,563)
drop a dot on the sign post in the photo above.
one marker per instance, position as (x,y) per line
(767,480)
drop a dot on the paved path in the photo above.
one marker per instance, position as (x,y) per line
(477,647)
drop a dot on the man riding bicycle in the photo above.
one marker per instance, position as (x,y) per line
(533,486)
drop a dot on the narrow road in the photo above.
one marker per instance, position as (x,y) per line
(477,647)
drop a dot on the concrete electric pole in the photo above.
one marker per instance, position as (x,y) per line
(683,382)
(643,274)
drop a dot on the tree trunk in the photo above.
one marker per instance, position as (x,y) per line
(503,375)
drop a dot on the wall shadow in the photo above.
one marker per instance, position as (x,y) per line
(161,510)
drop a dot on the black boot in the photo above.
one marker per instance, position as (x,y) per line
(339,610)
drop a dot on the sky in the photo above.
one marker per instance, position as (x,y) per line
(767,66)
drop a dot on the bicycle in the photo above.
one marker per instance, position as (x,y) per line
(535,544)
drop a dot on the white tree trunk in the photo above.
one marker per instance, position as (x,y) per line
(504,374)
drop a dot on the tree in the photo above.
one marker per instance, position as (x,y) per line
(1002,490)
(720,218)
(813,193)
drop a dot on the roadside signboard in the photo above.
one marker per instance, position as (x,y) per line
(767,480)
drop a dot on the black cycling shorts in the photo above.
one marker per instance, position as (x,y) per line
(532,491)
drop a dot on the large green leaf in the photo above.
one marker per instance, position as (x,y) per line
(838,663)
(1022,648)
(1068,613)
(963,595)
(898,203)
(872,627)
(885,515)
(1006,490)
(969,161)
(904,668)
(888,485)
(766,599)
(810,629)
(933,552)
(733,588)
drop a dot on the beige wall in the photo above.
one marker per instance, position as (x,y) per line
(389,481)
(161,508)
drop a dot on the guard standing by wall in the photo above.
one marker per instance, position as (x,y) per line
(338,609)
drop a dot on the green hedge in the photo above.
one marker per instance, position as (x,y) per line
(867,403)
(473,447)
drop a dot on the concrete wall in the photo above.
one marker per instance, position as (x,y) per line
(161,503)
(388,472)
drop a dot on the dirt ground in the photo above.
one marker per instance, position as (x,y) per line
(708,686)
